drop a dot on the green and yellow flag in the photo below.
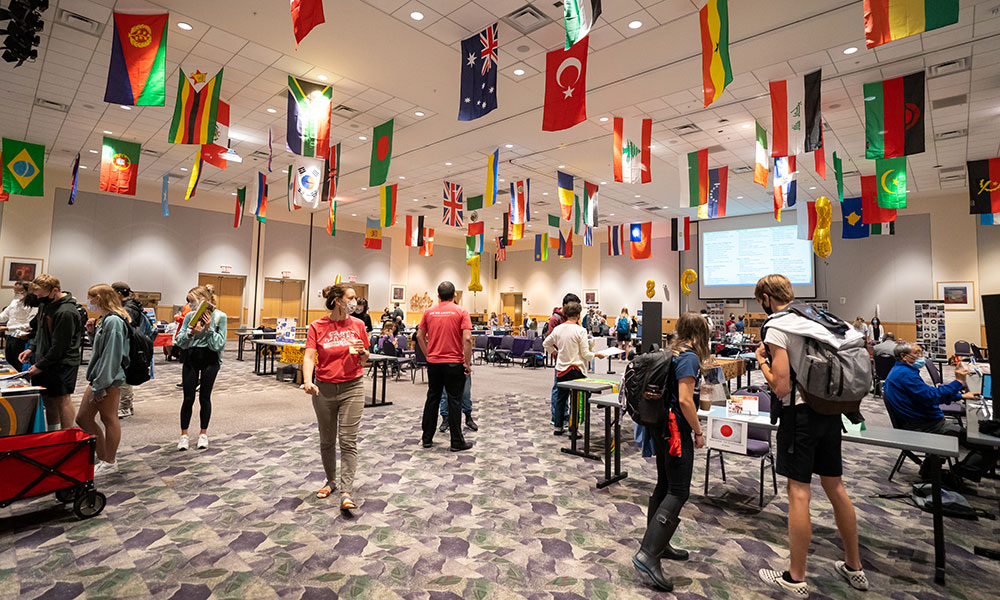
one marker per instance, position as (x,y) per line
(891,178)
(716,71)
(23,168)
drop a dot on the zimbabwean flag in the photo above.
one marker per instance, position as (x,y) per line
(984,186)
(196,110)
(894,117)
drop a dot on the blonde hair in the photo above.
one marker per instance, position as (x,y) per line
(108,300)
(202,293)
(211,292)
(691,331)
(776,286)
(47,282)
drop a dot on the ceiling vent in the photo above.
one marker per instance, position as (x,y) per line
(177,175)
(654,208)
(950,101)
(948,68)
(150,152)
(345,111)
(210,182)
(950,135)
(259,155)
(951,171)
(741,170)
(429,206)
(79,22)
(527,19)
(686,129)
(952,175)
(59,106)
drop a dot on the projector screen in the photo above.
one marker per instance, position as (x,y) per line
(735,253)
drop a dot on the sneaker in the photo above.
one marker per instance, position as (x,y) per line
(444,426)
(857,579)
(183,443)
(426,443)
(203,441)
(103,469)
(124,413)
(777,580)
(557,431)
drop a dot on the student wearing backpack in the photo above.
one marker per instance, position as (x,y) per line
(675,444)
(140,321)
(623,329)
(808,443)
(556,319)
(202,343)
(570,344)
(105,374)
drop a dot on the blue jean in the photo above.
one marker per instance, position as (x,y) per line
(555,399)
(466,399)
(560,407)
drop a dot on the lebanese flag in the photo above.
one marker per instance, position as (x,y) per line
(796,116)
(414,231)
(631,150)
(306,14)
(565,87)
(214,153)
(871,212)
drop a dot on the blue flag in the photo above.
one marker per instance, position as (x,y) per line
(854,226)
(76,179)
(479,74)
(163,195)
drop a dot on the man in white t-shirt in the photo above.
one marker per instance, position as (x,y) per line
(573,353)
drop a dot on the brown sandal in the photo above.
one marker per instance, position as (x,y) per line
(324,492)
(346,503)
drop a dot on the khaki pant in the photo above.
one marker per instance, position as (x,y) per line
(127,396)
(338,413)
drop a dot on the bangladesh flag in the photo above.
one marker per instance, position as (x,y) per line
(23,168)
(381,154)
(894,117)
(119,166)
(891,174)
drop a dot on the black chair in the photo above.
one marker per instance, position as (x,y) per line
(479,349)
(503,353)
(402,359)
(419,362)
(883,364)
(963,349)
(977,353)
(536,350)
(903,454)
(758,445)
(955,410)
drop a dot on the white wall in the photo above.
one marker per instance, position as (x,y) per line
(623,280)
(447,264)
(344,254)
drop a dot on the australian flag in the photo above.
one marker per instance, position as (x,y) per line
(480,63)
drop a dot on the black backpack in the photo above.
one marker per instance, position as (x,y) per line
(140,356)
(642,393)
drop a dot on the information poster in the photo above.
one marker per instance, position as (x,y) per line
(930,328)
(727,435)
(717,312)
(285,329)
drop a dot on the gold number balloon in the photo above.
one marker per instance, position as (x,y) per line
(821,234)
(337,280)
(687,278)
(474,285)
(650,288)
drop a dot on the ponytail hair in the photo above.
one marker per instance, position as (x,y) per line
(332,293)
(107,300)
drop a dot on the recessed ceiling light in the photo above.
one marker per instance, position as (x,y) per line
(518,72)
(416,200)
(812,187)
(746,126)
(611,214)
(850,50)
(417,15)
(233,194)
(401,177)
(124,107)
(419,113)
(272,110)
(322,77)
(106,132)
(604,119)
(184,26)
(665,207)
(545,193)
(364,189)
(562,166)
(447,164)
(354,214)
(83,166)
(508,145)
(535,212)
(362,137)
(501,179)
(183,168)
(739,197)
(283,170)
(638,196)
(635,25)
(496,218)
(93,151)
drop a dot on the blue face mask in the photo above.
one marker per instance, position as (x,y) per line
(919,363)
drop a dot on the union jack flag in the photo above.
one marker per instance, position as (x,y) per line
(501,250)
(452,204)
(491,44)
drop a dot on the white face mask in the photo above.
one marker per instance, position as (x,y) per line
(352,306)
(93,307)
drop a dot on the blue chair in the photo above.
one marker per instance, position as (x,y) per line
(479,348)
(758,445)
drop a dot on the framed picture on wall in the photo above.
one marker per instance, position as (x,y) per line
(397,293)
(957,295)
(20,269)
(590,298)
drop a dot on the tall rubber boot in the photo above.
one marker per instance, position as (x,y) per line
(654,543)
(670,553)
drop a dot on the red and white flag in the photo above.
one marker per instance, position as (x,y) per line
(414,231)
(797,120)
(306,14)
(631,150)
(215,153)
(565,87)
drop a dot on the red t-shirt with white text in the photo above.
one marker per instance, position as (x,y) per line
(331,340)
(444,324)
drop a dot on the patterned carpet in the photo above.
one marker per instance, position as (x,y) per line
(514,518)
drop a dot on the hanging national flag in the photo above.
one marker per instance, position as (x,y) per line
(501,254)
(452,212)
(307,182)
(331,218)
(988,219)
(475,240)
(241,202)
(306,14)
(617,237)
(163,195)
(854,227)
(784,184)
(838,169)
(477,228)
(270,150)
(760,169)
(23,168)
(519,192)
(883,228)
(590,203)
(216,153)
(631,155)
(588,235)
(565,87)
(984,186)
(680,234)
(492,175)
(894,116)
(554,231)
(577,215)
(565,195)
(480,64)
(258,195)
(73,185)
(4,196)
(891,173)
(716,72)
(566,243)
(795,115)
(137,75)
(414,231)
(381,154)
(819,158)
(119,166)
(579,17)
(387,205)
(373,234)
(294,202)
(889,20)
(196,109)
(805,214)
(332,180)
(694,179)
(195,176)
(541,247)
(308,117)
(718,183)
(640,240)
(871,212)
(427,248)
(505,219)
(473,204)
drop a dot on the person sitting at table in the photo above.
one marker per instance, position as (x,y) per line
(573,353)
(731,342)
(887,347)
(386,343)
(918,407)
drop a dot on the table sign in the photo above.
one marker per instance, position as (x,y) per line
(727,435)
(742,405)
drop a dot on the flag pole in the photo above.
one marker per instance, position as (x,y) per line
(309,262)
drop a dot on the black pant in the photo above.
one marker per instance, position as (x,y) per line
(203,364)
(449,377)
(15,346)
(673,473)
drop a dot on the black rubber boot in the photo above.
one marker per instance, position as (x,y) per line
(670,553)
(654,543)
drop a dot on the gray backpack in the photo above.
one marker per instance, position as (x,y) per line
(834,371)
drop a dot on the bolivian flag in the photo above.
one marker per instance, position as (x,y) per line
(715,68)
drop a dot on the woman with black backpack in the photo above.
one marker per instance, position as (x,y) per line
(675,446)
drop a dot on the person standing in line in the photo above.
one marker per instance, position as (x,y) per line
(202,343)
(333,369)
(57,349)
(674,449)
(556,319)
(362,313)
(17,324)
(623,329)
(445,336)
(139,320)
(570,344)
(808,442)
(106,374)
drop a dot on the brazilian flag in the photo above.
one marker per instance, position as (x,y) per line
(23,168)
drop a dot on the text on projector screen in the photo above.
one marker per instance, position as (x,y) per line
(740,257)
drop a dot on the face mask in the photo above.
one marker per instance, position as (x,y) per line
(352,306)
(767,309)
(919,363)
(45,300)
(19,295)
(92,307)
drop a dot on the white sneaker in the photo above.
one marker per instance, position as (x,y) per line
(857,579)
(183,443)
(776,579)
(103,469)
(203,441)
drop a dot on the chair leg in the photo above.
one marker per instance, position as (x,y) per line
(899,463)
(708,467)
(761,502)
(774,477)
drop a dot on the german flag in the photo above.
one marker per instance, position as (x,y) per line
(894,117)
(984,186)
(195,112)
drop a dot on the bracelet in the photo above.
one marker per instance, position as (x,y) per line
(699,435)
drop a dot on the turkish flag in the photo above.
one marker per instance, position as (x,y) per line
(565,87)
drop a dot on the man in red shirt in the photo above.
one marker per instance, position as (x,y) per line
(445,336)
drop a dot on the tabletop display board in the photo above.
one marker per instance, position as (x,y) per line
(930,328)
(285,329)
(717,312)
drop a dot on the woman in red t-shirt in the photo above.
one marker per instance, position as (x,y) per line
(336,350)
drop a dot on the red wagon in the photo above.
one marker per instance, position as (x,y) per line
(59,461)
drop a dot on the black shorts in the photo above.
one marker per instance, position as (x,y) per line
(815,439)
(624,337)
(57,381)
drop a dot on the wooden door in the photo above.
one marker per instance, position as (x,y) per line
(282,298)
(291,299)
(229,296)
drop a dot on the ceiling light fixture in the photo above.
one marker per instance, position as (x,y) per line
(545,193)
(746,126)
(604,183)
(508,145)
(183,168)
(283,170)
(83,166)
(562,166)
(635,25)
(106,132)
(812,187)
(739,197)
(416,200)
(417,15)
(447,164)
(184,26)
(272,110)
(233,194)
(518,72)
(604,119)
(354,214)
(364,189)
(501,180)
(362,137)
(638,196)
(419,113)
(93,151)
(401,177)
(611,214)
(850,50)
(124,107)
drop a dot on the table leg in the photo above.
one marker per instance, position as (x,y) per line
(612,446)
(385,373)
(239,347)
(610,372)
(575,416)
(938,521)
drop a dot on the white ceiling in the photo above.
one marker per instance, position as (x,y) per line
(386,65)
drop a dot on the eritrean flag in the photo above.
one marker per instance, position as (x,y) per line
(889,20)
(984,186)
(894,117)
(119,166)
(694,179)
(716,71)
(137,75)
(196,110)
